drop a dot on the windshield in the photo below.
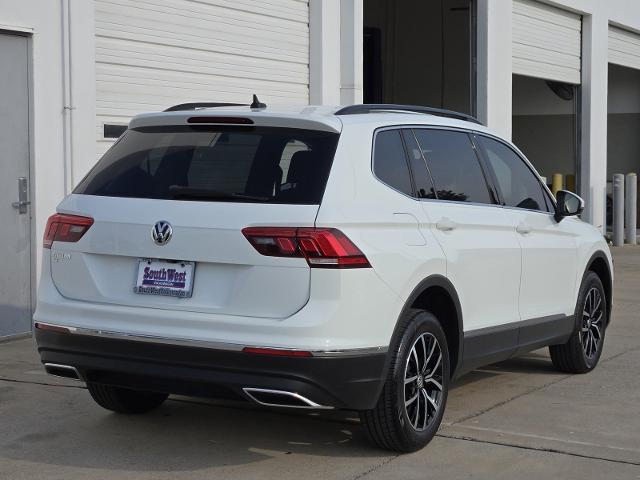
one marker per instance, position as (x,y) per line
(214,163)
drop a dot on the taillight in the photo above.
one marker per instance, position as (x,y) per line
(65,228)
(322,247)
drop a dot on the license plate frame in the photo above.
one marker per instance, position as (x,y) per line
(166,278)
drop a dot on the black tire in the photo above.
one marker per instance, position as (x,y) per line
(579,354)
(124,400)
(389,424)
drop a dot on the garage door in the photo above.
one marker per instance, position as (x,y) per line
(151,54)
(546,42)
(624,48)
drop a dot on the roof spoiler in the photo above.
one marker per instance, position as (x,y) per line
(255,104)
(197,105)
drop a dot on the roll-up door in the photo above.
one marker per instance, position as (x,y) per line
(151,54)
(624,48)
(546,42)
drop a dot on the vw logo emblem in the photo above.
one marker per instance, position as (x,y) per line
(161,232)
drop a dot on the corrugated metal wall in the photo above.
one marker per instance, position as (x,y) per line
(547,42)
(151,54)
(624,47)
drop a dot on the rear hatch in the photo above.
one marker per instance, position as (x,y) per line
(169,204)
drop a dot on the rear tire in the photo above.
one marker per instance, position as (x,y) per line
(124,400)
(414,396)
(583,350)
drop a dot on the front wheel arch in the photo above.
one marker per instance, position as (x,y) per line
(599,264)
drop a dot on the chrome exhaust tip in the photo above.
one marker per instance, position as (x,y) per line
(64,371)
(281,398)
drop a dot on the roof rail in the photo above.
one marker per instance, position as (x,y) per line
(196,105)
(381,107)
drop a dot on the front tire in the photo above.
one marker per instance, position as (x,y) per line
(124,400)
(583,350)
(411,405)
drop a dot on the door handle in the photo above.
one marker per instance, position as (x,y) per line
(23,196)
(523,229)
(445,225)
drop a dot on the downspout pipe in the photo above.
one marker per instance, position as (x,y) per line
(67,97)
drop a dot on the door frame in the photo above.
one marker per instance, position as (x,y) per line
(27,33)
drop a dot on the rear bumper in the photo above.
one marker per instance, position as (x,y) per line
(351,381)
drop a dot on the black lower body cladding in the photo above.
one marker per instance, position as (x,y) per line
(350,382)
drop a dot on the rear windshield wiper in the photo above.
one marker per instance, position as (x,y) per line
(194,193)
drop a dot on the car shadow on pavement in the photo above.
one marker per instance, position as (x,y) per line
(186,434)
(537,363)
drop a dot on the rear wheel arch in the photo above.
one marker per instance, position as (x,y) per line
(437,295)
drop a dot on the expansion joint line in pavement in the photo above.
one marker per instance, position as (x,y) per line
(44,384)
(375,467)
(537,449)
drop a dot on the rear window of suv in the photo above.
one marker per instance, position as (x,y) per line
(205,163)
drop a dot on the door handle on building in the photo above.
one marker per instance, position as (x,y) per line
(23,196)
(445,225)
(523,229)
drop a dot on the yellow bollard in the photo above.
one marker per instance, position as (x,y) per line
(571,182)
(556,183)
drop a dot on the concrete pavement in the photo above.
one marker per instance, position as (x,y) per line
(516,419)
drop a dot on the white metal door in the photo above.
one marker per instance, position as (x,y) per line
(624,48)
(151,54)
(15,235)
(546,42)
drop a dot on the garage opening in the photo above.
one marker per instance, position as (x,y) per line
(623,126)
(546,63)
(420,52)
(545,128)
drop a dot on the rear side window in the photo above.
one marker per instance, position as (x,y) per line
(390,161)
(518,184)
(454,166)
(205,163)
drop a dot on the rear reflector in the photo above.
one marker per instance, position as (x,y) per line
(51,328)
(277,352)
(322,247)
(65,228)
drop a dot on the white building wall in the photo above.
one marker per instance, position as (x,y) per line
(55,168)
(151,54)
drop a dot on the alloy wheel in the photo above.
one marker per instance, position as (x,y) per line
(423,379)
(592,325)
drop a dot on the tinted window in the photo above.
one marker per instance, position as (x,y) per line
(421,177)
(389,161)
(453,164)
(518,184)
(243,164)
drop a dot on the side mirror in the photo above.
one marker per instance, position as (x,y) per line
(568,205)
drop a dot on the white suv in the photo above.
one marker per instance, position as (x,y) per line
(357,258)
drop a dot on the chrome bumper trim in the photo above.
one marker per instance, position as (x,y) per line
(187,342)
